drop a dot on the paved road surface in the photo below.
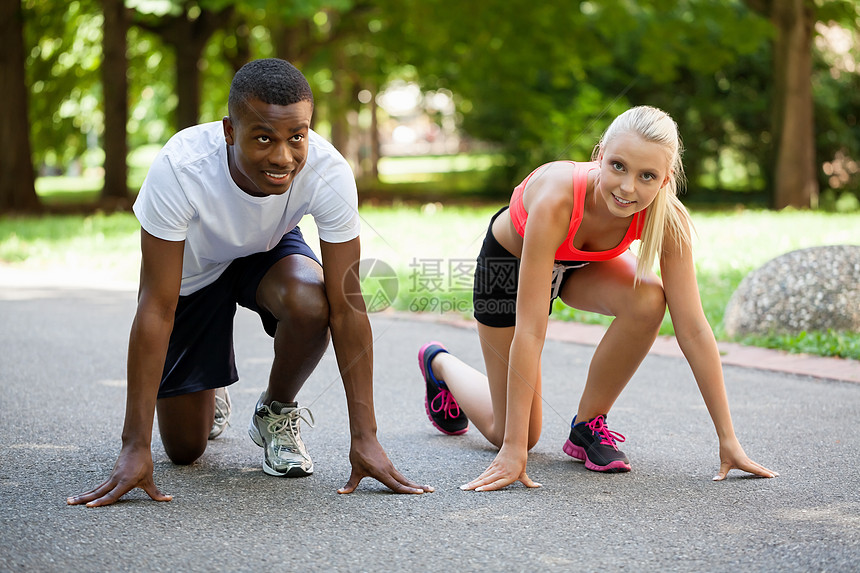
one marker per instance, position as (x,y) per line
(62,369)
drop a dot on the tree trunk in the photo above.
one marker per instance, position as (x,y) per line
(241,55)
(17,187)
(115,88)
(188,50)
(374,137)
(338,106)
(795,181)
(291,42)
(188,37)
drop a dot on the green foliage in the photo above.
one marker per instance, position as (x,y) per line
(151,98)
(64,53)
(539,80)
(544,80)
(724,121)
(526,92)
(836,91)
(217,73)
(845,12)
(830,343)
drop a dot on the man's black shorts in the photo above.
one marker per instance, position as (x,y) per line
(200,355)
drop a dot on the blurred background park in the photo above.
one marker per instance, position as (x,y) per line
(442,107)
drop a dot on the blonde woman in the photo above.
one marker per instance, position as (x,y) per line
(566,235)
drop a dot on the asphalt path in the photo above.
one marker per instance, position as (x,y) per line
(62,370)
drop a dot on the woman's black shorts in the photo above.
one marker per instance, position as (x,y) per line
(494,293)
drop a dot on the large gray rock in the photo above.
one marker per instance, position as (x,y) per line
(810,289)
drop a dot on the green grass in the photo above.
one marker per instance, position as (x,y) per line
(732,244)
(432,249)
(75,243)
(465,178)
(842,344)
(65,190)
(62,190)
(400,169)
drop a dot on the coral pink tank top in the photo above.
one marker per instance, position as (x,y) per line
(567,252)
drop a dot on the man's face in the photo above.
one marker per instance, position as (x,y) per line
(268,145)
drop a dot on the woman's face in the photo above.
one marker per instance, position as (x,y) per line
(632,172)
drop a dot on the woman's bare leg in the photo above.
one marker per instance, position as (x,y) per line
(607,288)
(484,398)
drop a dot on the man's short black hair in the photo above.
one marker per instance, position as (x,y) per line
(272,80)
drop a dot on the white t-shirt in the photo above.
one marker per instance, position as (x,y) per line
(188,195)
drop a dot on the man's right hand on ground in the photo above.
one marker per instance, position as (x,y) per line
(133,469)
(368,459)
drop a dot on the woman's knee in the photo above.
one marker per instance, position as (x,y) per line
(648,305)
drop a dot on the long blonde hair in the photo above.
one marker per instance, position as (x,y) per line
(666,214)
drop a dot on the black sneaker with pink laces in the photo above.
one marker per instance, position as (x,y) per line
(439,403)
(594,443)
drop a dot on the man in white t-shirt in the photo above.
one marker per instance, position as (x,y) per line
(219,211)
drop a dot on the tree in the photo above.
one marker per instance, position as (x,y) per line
(332,42)
(795,182)
(837,107)
(187,29)
(115,89)
(64,53)
(17,187)
(542,80)
(539,80)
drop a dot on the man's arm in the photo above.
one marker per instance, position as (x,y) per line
(353,344)
(160,278)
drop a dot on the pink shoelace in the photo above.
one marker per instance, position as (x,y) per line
(447,404)
(607,436)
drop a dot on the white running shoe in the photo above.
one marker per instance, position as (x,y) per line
(223,408)
(275,428)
